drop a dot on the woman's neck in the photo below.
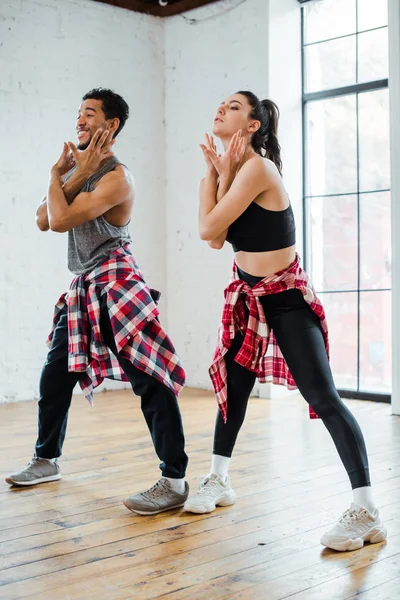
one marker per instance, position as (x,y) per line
(249,153)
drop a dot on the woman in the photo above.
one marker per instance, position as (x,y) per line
(243,201)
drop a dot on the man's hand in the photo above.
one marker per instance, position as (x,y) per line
(88,161)
(65,163)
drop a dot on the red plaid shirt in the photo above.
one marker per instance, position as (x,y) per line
(258,339)
(133,313)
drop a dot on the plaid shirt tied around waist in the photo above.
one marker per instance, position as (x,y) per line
(133,314)
(258,339)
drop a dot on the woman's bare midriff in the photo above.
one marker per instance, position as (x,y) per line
(261,264)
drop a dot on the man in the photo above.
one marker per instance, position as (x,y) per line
(108,306)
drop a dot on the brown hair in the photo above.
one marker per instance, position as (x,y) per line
(265,140)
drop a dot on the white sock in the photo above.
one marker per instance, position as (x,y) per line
(220,465)
(363,497)
(178,485)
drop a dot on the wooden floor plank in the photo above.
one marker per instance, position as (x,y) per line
(358,577)
(76,537)
(366,582)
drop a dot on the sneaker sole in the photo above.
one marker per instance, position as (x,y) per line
(33,481)
(154,512)
(201,510)
(375,536)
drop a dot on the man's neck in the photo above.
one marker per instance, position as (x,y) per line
(107,160)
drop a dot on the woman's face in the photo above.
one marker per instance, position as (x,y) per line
(233,114)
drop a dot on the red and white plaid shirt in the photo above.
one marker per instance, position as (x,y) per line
(133,313)
(258,338)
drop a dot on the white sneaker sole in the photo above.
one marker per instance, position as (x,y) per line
(154,512)
(200,509)
(374,536)
(33,481)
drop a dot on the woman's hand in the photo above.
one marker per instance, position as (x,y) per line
(227,164)
(209,151)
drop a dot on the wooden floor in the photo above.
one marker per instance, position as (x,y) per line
(74,539)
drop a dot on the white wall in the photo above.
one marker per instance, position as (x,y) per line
(394,93)
(51,53)
(251,47)
(284,87)
(170,69)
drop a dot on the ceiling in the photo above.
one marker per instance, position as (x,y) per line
(159,8)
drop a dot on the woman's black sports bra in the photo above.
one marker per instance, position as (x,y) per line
(262,230)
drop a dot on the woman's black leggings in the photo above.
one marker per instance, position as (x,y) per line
(298,333)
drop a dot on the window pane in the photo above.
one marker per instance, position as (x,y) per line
(331,146)
(347,182)
(373,55)
(333,251)
(330,64)
(329,19)
(372,13)
(375,342)
(374,140)
(341,313)
(375,248)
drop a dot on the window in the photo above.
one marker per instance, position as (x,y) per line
(347,185)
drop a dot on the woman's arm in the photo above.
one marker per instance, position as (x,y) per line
(224,185)
(224,177)
(215,217)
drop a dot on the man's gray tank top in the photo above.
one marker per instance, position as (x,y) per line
(91,243)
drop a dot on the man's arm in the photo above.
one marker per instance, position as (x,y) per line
(112,190)
(86,163)
(71,189)
(42,220)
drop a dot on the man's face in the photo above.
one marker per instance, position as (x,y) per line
(90,118)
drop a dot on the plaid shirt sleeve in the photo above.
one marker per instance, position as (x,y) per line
(259,352)
(133,312)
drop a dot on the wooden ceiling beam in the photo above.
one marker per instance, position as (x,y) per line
(156,9)
(183,6)
(134,5)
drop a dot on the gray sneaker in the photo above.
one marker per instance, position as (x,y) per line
(157,499)
(38,470)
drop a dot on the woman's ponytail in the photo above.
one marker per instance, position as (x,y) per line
(265,140)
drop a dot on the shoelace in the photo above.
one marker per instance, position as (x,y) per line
(351,515)
(206,485)
(159,489)
(35,459)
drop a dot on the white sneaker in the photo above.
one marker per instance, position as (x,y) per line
(212,492)
(356,526)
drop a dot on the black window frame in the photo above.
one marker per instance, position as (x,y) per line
(307,97)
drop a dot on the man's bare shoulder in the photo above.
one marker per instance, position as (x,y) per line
(120,176)
(125,176)
(124,172)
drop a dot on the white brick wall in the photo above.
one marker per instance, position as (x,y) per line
(168,70)
(394,90)
(249,47)
(214,58)
(51,53)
